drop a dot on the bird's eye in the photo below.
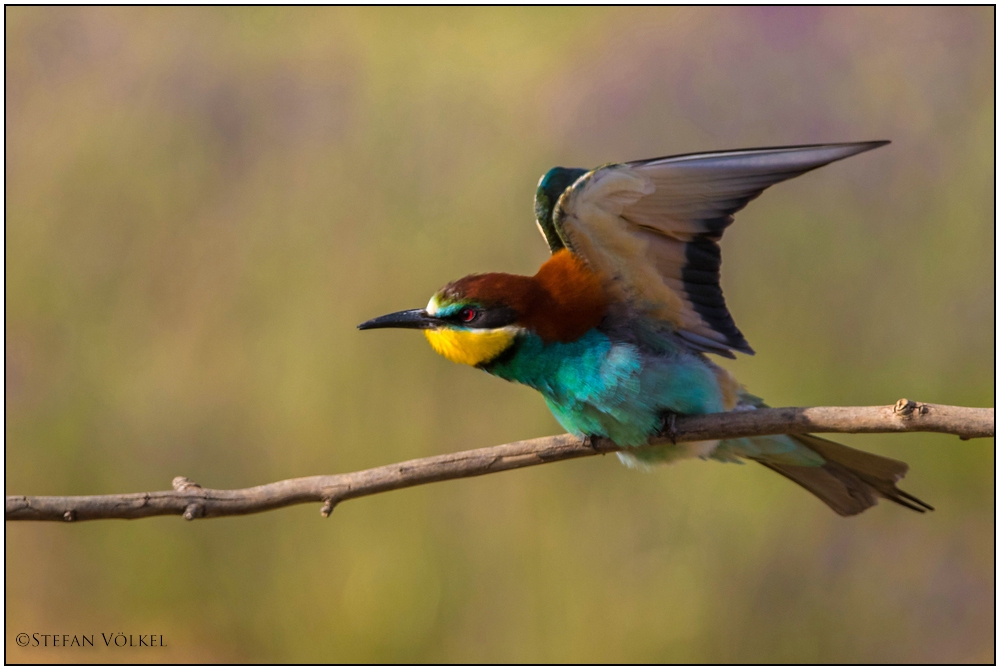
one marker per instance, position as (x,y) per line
(468,314)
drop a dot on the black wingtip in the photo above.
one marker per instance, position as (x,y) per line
(875,144)
(853,149)
(848,149)
(913,498)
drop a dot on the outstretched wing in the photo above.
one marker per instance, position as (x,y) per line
(652,227)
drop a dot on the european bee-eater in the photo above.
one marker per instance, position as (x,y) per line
(613,330)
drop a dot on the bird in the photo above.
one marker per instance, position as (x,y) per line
(615,329)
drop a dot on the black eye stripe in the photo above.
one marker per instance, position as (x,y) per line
(485,317)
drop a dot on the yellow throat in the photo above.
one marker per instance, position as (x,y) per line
(471,347)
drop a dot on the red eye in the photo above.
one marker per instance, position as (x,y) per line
(467,314)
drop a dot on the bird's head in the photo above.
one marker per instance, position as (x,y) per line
(480,317)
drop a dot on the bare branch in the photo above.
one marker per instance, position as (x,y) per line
(192,501)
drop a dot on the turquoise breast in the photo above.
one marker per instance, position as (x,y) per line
(597,386)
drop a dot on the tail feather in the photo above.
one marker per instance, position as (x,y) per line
(850,481)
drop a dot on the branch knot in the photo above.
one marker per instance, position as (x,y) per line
(328,506)
(906,408)
(183,484)
(194,511)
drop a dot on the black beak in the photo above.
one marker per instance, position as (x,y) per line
(411,318)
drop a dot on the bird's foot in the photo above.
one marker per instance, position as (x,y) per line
(593,442)
(668,429)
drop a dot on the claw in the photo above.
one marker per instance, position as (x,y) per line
(591,442)
(669,429)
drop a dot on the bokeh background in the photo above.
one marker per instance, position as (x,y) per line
(201,204)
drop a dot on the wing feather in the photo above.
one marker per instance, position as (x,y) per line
(652,228)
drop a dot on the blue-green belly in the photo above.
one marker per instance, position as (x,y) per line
(612,389)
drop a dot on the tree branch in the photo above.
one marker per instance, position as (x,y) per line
(193,502)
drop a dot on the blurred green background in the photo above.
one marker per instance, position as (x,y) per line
(203,203)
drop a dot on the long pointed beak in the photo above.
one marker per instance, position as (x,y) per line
(411,318)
